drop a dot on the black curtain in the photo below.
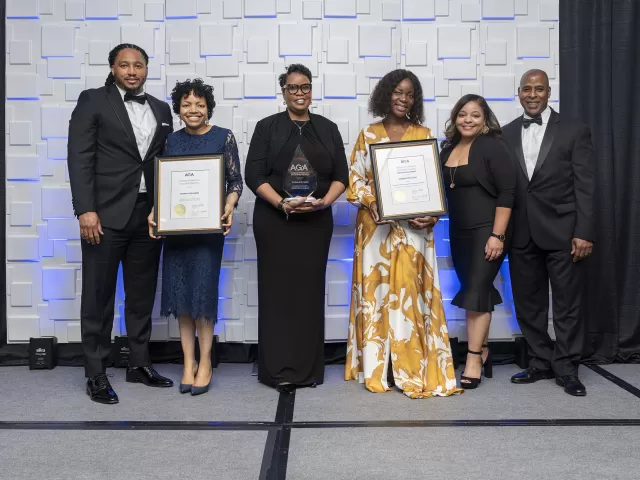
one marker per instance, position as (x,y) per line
(600,84)
(3,192)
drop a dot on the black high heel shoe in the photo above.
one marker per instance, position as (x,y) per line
(469,383)
(186,387)
(203,389)
(488,363)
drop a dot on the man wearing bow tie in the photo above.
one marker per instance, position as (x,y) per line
(115,133)
(553,231)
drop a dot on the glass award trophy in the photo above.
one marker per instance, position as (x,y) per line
(301,180)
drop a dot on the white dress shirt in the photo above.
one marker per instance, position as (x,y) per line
(532,140)
(144,125)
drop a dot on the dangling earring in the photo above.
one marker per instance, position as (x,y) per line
(180,121)
(206,122)
(284,103)
(485,129)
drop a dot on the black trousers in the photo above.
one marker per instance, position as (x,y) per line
(139,255)
(531,270)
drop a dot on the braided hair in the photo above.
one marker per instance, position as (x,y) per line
(113,54)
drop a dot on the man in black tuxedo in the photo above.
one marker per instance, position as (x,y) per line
(553,231)
(114,134)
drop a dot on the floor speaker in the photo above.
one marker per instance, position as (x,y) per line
(43,353)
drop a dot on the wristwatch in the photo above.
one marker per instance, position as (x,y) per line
(499,236)
(281,205)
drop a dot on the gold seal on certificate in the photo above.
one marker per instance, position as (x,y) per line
(408,180)
(189,194)
(179,210)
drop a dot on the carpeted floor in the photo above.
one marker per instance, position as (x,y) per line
(59,395)
(213,449)
(494,399)
(170,455)
(510,453)
(628,372)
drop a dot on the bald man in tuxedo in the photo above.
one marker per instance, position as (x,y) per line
(553,232)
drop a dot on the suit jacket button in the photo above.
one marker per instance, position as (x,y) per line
(529,190)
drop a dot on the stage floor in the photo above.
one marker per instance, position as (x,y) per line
(244,430)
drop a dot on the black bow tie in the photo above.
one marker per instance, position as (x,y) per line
(130,97)
(526,122)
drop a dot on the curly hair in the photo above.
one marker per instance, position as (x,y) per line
(113,54)
(451,131)
(198,88)
(380,99)
(294,68)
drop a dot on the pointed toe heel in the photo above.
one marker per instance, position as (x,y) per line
(200,390)
(185,387)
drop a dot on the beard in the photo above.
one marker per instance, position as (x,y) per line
(135,90)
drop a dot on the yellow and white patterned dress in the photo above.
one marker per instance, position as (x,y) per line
(396,305)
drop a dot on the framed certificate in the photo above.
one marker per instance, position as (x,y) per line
(189,194)
(408,179)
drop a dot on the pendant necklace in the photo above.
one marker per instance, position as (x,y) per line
(295,122)
(452,176)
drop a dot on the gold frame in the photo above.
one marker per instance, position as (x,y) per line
(159,161)
(433,143)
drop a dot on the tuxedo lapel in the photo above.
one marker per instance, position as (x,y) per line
(547,141)
(517,142)
(114,98)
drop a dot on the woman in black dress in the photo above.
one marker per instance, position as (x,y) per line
(480,178)
(293,238)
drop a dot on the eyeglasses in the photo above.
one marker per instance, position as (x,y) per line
(293,89)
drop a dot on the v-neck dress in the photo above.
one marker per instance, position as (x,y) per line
(396,305)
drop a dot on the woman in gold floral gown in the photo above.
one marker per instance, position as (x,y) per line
(397,318)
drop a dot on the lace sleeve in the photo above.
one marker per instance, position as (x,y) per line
(232,163)
(168,145)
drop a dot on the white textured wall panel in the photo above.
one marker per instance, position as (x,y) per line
(22,9)
(57,48)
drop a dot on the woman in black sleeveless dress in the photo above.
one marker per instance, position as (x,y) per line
(479,176)
(293,239)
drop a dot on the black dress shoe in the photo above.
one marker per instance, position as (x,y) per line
(148,376)
(532,375)
(100,391)
(572,385)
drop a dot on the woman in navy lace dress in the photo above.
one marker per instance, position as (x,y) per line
(191,263)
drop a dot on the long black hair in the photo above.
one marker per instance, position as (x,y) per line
(380,99)
(491,122)
(113,54)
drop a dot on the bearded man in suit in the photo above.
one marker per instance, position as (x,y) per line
(115,133)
